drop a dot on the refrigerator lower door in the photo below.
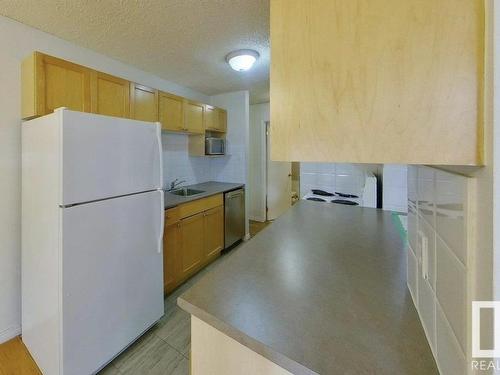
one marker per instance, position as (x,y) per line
(105,156)
(112,277)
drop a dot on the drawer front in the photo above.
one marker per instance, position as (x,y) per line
(172,216)
(200,205)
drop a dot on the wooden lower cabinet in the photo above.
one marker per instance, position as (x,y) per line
(171,249)
(193,237)
(192,244)
(214,232)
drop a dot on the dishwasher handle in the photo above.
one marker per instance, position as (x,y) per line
(235,194)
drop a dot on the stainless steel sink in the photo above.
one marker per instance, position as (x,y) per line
(186,192)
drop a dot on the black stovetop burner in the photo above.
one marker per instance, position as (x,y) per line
(322,193)
(316,199)
(346,195)
(345,201)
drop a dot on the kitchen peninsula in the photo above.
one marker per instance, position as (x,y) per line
(320,291)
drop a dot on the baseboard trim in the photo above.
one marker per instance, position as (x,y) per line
(257,218)
(9,333)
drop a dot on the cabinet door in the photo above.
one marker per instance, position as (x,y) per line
(350,81)
(171,253)
(143,103)
(193,117)
(222,120)
(214,232)
(211,121)
(192,244)
(58,83)
(110,95)
(170,109)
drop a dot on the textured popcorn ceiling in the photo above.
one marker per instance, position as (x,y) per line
(184,41)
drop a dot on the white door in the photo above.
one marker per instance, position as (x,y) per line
(105,156)
(112,277)
(279,184)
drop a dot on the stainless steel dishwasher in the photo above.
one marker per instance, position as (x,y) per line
(234,217)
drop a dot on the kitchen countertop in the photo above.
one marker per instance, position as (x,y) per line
(322,290)
(209,188)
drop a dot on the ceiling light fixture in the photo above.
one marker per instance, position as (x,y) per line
(242,59)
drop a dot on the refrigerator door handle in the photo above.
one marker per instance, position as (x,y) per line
(162,221)
(160,153)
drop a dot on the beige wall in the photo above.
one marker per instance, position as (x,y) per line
(16,42)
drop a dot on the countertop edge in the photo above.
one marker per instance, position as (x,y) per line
(245,340)
(204,194)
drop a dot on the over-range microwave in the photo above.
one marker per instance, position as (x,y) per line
(215,146)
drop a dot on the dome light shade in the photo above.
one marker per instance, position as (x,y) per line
(242,59)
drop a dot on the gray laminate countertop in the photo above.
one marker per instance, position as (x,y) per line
(209,188)
(322,290)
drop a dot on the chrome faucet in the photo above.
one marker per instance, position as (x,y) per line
(175,183)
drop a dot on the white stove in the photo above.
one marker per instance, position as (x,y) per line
(365,197)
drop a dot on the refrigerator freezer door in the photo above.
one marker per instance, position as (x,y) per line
(112,277)
(105,157)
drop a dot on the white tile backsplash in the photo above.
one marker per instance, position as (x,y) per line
(450,212)
(438,209)
(332,177)
(178,164)
(426,194)
(395,190)
(451,285)
(450,358)
(427,310)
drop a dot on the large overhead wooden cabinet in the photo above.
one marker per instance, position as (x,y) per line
(379,81)
(194,117)
(143,103)
(49,83)
(215,119)
(171,112)
(194,236)
(221,120)
(110,95)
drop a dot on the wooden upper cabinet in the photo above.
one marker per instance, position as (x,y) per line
(211,117)
(110,95)
(49,83)
(215,119)
(221,120)
(379,81)
(193,117)
(214,232)
(143,103)
(171,111)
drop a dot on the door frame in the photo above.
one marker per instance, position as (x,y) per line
(266,167)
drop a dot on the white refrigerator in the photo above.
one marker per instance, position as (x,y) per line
(92,228)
